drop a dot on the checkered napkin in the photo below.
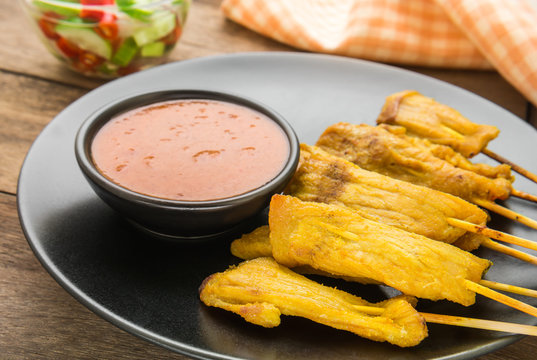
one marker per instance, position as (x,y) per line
(472,34)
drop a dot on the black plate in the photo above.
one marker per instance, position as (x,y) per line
(150,288)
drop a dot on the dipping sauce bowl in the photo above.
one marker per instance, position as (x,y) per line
(187,164)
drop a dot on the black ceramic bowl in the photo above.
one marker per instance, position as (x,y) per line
(174,219)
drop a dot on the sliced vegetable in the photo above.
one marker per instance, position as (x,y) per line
(63,8)
(137,9)
(125,53)
(155,49)
(86,39)
(160,27)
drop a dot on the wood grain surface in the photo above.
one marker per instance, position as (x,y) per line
(39,319)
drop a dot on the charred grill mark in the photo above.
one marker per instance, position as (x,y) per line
(335,179)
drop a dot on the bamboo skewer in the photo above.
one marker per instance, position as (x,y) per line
(510,214)
(524,195)
(462,321)
(509,251)
(494,234)
(513,166)
(504,299)
(480,324)
(509,288)
(498,235)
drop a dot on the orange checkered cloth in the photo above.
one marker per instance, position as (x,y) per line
(472,34)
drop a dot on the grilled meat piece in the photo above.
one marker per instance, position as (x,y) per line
(260,290)
(424,117)
(339,241)
(389,151)
(322,177)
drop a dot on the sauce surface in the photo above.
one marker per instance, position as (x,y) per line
(191,150)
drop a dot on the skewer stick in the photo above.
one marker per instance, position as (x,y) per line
(495,234)
(513,166)
(510,214)
(523,195)
(462,321)
(509,251)
(509,288)
(480,324)
(504,299)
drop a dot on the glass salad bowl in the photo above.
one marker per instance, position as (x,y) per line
(109,38)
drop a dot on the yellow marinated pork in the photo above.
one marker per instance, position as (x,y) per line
(261,290)
(257,244)
(253,245)
(339,241)
(389,151)
(322,177)
(424,117)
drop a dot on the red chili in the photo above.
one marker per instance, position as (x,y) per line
(67,48)
(92,13)
(90,60)
(47,24)
(107,27)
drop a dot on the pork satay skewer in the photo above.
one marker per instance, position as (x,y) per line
(426,118)
(341,242)
(469,284)
(257,244)
(322,177)
(389,151)
(261,290)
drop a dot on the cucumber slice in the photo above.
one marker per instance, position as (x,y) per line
(86,39)
(155,49)
(63,8)
(125,53)
(161,26)
(136,9)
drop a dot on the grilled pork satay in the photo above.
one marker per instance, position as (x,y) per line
(341,242)
(426,118)
(389,151)
(260,290)
(322,177)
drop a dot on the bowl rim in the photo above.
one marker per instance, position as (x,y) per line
(91,125)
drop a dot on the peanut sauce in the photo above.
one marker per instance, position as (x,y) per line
(191,150)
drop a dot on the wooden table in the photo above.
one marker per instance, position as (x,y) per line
(40,320)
